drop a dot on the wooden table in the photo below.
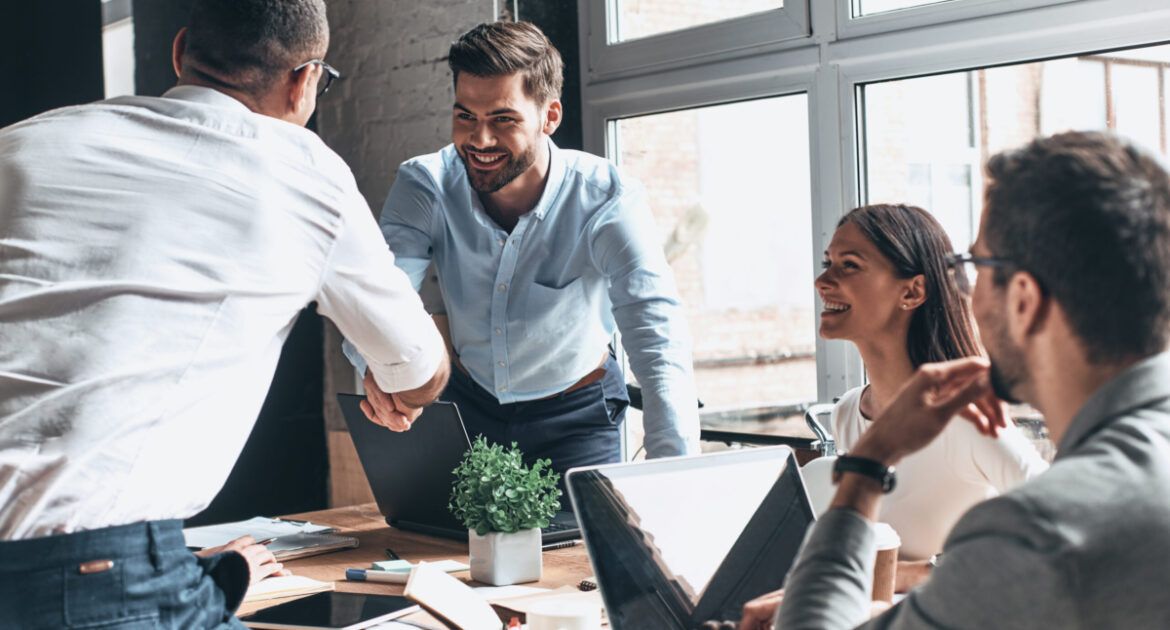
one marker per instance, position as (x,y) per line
(562,567)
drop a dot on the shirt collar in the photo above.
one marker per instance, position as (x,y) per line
(1140,385)
(556,176)
(204,95)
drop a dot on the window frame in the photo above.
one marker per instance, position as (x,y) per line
(839,56)
(744,35)
(850,25)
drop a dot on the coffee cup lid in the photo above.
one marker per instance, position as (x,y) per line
(887,538)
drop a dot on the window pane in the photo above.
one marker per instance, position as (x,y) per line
(642,18)
(926,138)
(869,7)
(731,197)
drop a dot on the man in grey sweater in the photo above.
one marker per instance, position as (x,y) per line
(1072,296)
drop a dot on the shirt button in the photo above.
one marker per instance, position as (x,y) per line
(502,389)
(499,331)
(500,363)
(502,241)
(503,287)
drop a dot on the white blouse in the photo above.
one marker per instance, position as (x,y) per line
(936,485)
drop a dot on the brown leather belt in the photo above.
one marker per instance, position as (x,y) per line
(585,381)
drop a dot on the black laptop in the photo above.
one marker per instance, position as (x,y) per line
(411,472)
(676,542)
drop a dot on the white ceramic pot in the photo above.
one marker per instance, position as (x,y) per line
(502,559)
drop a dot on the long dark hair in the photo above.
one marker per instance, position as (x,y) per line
(914,243)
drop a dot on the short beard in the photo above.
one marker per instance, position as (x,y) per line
(1003,384)
(490,183)
(1007,372)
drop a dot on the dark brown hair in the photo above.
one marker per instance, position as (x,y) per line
(915,244)
(1088,215)
(249,44)
(503,48)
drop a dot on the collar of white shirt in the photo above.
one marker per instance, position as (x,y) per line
(204,95)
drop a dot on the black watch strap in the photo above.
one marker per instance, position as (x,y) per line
(875,470)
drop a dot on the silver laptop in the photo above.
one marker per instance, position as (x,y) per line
(679,541)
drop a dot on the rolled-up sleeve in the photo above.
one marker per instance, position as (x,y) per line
(652,321)
(377,308)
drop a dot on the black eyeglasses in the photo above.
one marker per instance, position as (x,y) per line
(329,75)
(963,268)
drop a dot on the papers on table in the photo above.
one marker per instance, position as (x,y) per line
(259,528)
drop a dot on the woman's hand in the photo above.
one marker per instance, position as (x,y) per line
(261,562)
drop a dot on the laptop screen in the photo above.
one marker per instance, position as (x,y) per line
(673,538)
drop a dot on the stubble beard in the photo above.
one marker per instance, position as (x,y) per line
(495,180)
(1007,371)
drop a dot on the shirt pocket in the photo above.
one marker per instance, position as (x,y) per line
(552,311)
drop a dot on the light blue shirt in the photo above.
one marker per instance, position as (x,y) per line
(531,312)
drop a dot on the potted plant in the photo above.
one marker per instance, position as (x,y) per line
(504,504)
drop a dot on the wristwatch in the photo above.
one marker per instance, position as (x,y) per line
(877,471)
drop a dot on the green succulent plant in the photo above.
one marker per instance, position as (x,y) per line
(495,492)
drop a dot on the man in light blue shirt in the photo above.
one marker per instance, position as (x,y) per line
(542,254)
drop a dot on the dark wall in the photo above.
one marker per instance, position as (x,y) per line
(558,20)
(155,24)
(50,56)
(284,466)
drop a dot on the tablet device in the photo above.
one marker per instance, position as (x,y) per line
(332,611)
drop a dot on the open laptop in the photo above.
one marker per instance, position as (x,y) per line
(411,472)
(676,542)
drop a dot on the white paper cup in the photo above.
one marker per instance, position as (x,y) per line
(885,569)
(563,616)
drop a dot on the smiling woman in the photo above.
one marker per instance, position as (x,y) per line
(887,288)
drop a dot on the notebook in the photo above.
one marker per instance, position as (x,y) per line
(285,586)
(679,541)
(411,472)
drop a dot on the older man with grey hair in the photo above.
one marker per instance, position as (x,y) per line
(154,254)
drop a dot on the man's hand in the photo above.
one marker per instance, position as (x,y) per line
(759,613)
(926,403)
(388,410)
(261,562)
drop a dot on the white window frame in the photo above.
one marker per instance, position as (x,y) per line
(750,34)
(849,25)
(830,65)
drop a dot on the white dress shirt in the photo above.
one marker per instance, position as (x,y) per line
(154,253)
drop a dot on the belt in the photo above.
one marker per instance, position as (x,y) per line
(589,379)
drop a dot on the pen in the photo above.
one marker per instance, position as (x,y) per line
(558,545)
(266,541)
(371,575)
(391,555)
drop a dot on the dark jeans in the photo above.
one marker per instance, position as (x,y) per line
(153,582)
(580,428)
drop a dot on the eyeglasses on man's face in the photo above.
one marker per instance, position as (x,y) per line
(328,76)
(964,268)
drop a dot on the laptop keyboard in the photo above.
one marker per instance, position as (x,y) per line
(557,527)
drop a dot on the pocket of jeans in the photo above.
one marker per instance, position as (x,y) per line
(98,600)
